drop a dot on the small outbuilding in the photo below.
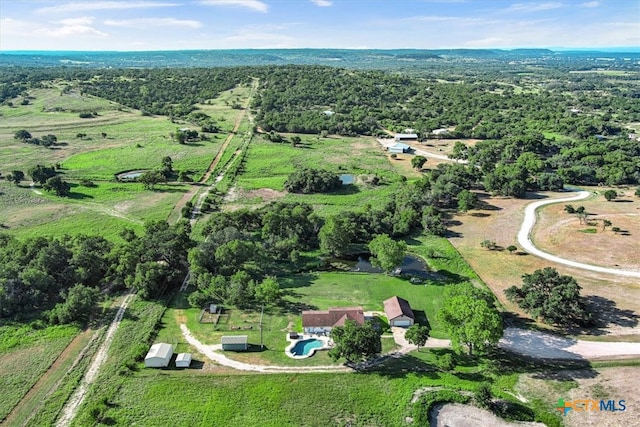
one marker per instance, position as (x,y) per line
(235,343)
(399,312)
(406,137)
(183,360)
(399,148)
(159,356)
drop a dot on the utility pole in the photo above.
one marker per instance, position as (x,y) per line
(261,314)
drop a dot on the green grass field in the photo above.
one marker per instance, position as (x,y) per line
(25,354)
(118,139)
(267,165)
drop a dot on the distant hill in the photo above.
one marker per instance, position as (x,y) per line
(370,58)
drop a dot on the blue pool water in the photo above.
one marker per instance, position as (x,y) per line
(347,179)
(302,348)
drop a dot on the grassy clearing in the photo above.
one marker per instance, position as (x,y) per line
(105,163)
(18,344)
(324,290)
(268,165)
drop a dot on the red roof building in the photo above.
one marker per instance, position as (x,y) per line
(319,321)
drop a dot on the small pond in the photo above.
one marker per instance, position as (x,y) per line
(347,178)
(411,265)
(130,176)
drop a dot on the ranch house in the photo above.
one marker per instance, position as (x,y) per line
(322,321)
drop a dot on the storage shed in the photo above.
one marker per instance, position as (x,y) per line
(235,343)
(406,137)
(159,356)
(183,360)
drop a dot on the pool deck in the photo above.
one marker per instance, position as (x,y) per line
(326,344)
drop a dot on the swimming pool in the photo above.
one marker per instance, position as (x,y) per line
(306,347)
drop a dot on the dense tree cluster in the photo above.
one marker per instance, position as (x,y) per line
(170,92)
(470,318)
(309,180)
(62,278)
(355,343)
(39,273)
(237,256)
(551,297)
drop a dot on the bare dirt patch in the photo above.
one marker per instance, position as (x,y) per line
(616,383)
(457,415)
(258,196)
(499,220)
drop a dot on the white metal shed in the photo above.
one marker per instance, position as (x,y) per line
(159,356)
(183,360)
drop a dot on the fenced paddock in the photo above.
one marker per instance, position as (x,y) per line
(235,320)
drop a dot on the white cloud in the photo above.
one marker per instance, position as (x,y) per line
(13,27)
(83,20)
(102,5)
(71,31)
(322,3)
(66,28)
(590,4)
(256,5)
(533,7)
(153,22)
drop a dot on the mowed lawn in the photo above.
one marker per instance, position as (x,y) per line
(325,290)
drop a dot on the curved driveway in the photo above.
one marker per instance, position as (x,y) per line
(524,239)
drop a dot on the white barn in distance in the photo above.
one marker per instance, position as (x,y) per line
(159,356)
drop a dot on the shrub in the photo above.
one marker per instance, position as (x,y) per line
(483,396)
(446,362)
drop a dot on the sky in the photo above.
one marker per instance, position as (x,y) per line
(139,25)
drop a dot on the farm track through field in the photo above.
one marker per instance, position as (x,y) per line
(71,126)
(35,392)
(71,407)
(195,188)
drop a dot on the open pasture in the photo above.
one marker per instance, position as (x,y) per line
(105,209)
(19,344)
(559,232)
(499,219)
(267,166)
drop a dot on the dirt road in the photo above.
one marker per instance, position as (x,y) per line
(71,407)
(196,187)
